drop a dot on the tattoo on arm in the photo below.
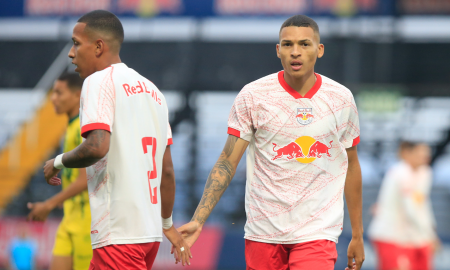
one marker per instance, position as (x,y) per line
(87,153)
(218,181)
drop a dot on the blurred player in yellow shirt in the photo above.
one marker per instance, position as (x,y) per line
(72,248)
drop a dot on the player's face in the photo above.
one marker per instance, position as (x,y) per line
(298,50)
(418,156)
(83,51)
(421,154)
(64,100)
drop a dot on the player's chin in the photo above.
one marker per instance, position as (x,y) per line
(296,73)
(81,73)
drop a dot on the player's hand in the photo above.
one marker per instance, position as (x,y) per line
(39,211)
(50,172)
(355,252)
(177,243)
(190,232)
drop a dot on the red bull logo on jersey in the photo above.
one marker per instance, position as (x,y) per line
(304,149)
(304,115)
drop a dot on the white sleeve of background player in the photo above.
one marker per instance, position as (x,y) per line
(169,135)
(348,126)
(97,102)
(240,122)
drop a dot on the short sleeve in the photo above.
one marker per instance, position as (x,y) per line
(348,126)
(169,135)
(97,102)
(240,122)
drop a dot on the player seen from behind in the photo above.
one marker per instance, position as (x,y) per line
(72,249)
(124,120)
(301,130)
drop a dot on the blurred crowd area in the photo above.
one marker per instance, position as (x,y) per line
(392,55)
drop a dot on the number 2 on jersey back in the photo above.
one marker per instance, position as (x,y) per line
(151,174)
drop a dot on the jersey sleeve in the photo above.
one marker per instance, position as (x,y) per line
(240,123)
(97,102)
(348,125)
(169,135)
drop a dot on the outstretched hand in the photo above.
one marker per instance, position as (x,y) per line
(39,211)
(50,173)
(181,249)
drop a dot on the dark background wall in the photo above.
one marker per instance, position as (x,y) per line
(229,66)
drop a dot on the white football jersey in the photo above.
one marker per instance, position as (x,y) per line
(296,159)
(124,186)
(404,215)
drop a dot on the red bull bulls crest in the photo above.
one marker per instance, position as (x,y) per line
(304,149)
(304,115)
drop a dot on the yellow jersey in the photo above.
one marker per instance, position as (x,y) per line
(77,213)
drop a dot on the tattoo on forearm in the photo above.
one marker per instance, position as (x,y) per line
(218,181)
(85,154)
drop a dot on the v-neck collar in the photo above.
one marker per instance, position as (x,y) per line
(294,93)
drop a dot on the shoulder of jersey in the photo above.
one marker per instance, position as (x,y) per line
(98,75)
(397,170)
(261,83)
(335,88)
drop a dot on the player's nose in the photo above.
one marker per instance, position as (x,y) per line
(296,52)
(72,52)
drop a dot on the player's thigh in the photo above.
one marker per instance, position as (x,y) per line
(82,250)
(150,250)
(118,257)
(421,258)
(62,250)
(319,254)
(264,256)
(388,255)
(61,263)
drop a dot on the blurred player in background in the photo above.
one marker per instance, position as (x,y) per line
(72,248)
(403,228)
(302,129)
(23,251)
(124,120)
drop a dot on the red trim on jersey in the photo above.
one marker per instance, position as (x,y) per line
(169,141)
(294,93)
(94,126)
(355,141)
(234,132)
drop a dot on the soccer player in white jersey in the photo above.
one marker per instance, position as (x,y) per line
(124,120)
(301,129)
(403,228)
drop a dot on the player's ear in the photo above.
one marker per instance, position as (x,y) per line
(278,50)
(321,50)
(99,47)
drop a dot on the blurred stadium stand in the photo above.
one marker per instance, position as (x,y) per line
(394,61)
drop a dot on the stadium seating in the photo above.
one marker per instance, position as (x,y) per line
(33,131)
